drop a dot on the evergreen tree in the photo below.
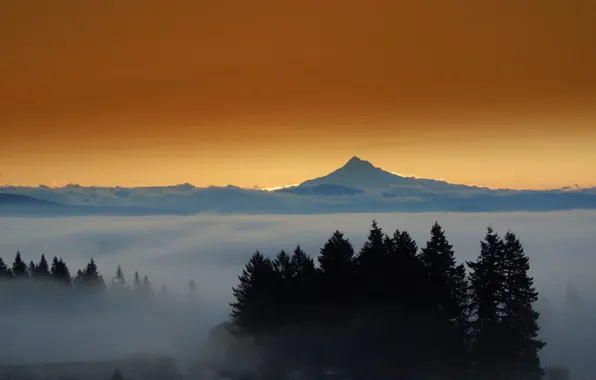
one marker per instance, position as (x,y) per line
(486,284)
(147,289)
(4,270)
(303,267)
(42,269)
(91,278)
(337,266)
(32,269)
(254,308)
(520,319)
(19,268)
(59,271)
(449,288)
(118,281)
(137,285)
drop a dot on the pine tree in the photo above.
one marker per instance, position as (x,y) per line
(254,311)
(92,279)
(32,269)
(137,285)
(147,289)
(19,268)
(449,287)
(42,269)
(520,318)
(486,284)
(4,270)
(118,281)
(59,271)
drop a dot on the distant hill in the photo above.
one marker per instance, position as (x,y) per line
(14,200)
(23,205)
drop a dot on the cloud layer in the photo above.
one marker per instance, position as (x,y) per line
(212,250)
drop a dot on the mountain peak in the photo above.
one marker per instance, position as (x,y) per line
(356,162)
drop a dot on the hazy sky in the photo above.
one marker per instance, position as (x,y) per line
(497,93)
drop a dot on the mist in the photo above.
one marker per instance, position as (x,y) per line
(213,249)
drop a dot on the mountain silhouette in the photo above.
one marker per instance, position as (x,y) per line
(361,174)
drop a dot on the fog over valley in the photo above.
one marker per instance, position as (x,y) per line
(212,250)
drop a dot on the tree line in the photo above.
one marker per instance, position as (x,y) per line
(37,276)
(392,310)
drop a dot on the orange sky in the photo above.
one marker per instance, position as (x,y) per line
(269,92)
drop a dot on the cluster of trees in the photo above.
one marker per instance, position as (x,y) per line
(392,310)
(57,276)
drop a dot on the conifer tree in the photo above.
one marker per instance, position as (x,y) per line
(486,284)
(337,266)
(519,317)
(4,270)
(19,268)
(254,308)
(118,281)
(59,271)
(92,279)
(42,269)
(137,285)
(303,266)
(449,288)
(147,289)
(32,269)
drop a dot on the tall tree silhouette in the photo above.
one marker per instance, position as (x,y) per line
(372,265)
(147,288)
(486,279)
(253,310)
(520,318)
(42,269)
(19,268)
(450,289)
(60,272)
(92,279)
(4,270)
(336,262)
(32,269)
(137,284)
(118,281)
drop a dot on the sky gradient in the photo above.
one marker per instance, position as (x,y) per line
(265,93)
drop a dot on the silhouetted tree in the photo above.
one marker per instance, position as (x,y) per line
(520,326)
(253,310)
(147,289)
(336,262)
(42,269)
(60,272)
(118,281)
(19,268)
(4,270)
(137,284)
(450,294)
(90,279)
(31,269)
(486,280)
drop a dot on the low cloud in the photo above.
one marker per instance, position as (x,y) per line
(212,250)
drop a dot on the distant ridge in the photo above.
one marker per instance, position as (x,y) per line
(357,186)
